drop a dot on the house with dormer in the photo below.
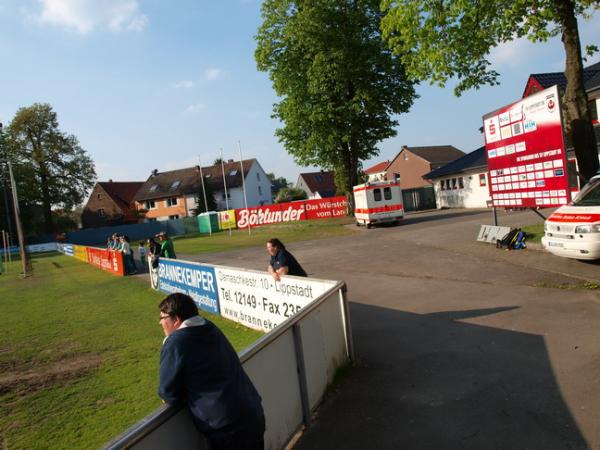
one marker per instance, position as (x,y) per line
(175,194)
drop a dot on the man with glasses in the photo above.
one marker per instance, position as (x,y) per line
(200,368)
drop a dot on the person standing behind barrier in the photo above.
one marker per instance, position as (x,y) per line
(128,261)
(166,246)
(199,368)
(282,262)
(153,252)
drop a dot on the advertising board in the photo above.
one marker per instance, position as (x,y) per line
(291,211)
(257,301)
(251,298)
(80,252)
(196,280)
(108,260)
(526,153)
(227,219)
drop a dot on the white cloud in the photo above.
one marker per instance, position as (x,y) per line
(212,74)
(83,16)
(184,84)
(195,108)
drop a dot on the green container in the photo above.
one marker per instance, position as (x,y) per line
(208,222)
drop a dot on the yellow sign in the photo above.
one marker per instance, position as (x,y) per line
(80,252)
(227,219)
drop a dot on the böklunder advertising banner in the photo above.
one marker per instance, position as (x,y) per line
(108,260)
(526,153)
(292,211)
(80,252)
(257,301)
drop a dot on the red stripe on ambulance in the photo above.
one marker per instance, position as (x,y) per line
(585,218)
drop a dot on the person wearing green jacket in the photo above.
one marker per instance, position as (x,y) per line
(166,246)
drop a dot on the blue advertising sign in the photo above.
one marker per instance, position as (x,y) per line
(195,280)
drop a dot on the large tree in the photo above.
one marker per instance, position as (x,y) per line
(339,84)
(441,39)
(53,170)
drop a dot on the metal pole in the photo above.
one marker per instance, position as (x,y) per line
(225,186)
(538,213)
(18,221)
(5,248)
(6,206)
(495,216)
(244,185)
(204,194)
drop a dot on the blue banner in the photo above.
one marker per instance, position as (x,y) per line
(195,280)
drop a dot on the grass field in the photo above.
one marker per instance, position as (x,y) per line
(79,354)
(535,233)
(286,232)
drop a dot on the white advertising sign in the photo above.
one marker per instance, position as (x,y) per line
(257,301)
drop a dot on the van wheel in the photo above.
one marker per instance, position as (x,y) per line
(369,225)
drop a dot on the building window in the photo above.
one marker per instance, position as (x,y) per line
(387,193)
(175,184)
(461,183)
(377,194)
(454,186)
(173,217)
(101,212)
(151,219)
(397,177)
(594,109)
(257,176)
(99,196)
(228,195)
(150,204)
(482,179)
(443,185)
(172,201)
(233,173)
(405,156)
(318,178)
(259,190)
(154,187)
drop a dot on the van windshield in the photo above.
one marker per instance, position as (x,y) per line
(589,195)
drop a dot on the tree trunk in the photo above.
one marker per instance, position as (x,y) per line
(579,123)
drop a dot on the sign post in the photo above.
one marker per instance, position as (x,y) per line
(526,153)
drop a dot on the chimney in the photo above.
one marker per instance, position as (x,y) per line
(155,172)
(110,180)
(405,147)
(230,161)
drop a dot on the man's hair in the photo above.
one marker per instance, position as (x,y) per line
(178,305)
(276,243)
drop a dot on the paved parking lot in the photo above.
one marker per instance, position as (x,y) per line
(457,347)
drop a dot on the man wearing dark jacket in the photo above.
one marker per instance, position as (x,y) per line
(200,368)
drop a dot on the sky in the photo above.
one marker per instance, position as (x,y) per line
(149,84)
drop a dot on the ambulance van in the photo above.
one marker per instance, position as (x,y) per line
(573,230)
(378,202)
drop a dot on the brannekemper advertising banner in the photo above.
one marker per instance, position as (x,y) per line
(292,211)
(526,153)
(251,298)
(108,260)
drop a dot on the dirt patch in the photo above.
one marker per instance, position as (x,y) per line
(58,373)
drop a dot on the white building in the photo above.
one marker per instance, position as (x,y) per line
(317,184)
(462,183)
(377,172)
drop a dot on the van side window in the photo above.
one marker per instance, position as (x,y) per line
(377,194)
(387,193)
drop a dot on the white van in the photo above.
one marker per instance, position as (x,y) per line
(573,230)
(378,202)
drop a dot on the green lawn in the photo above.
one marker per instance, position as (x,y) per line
(534,232)
(79,354)
(286,232)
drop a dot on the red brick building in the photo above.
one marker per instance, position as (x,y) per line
(111,203)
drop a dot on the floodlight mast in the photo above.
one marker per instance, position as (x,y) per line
(17,214)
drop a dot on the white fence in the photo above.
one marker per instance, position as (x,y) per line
(291,367)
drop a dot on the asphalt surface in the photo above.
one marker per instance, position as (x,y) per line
(459,344)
